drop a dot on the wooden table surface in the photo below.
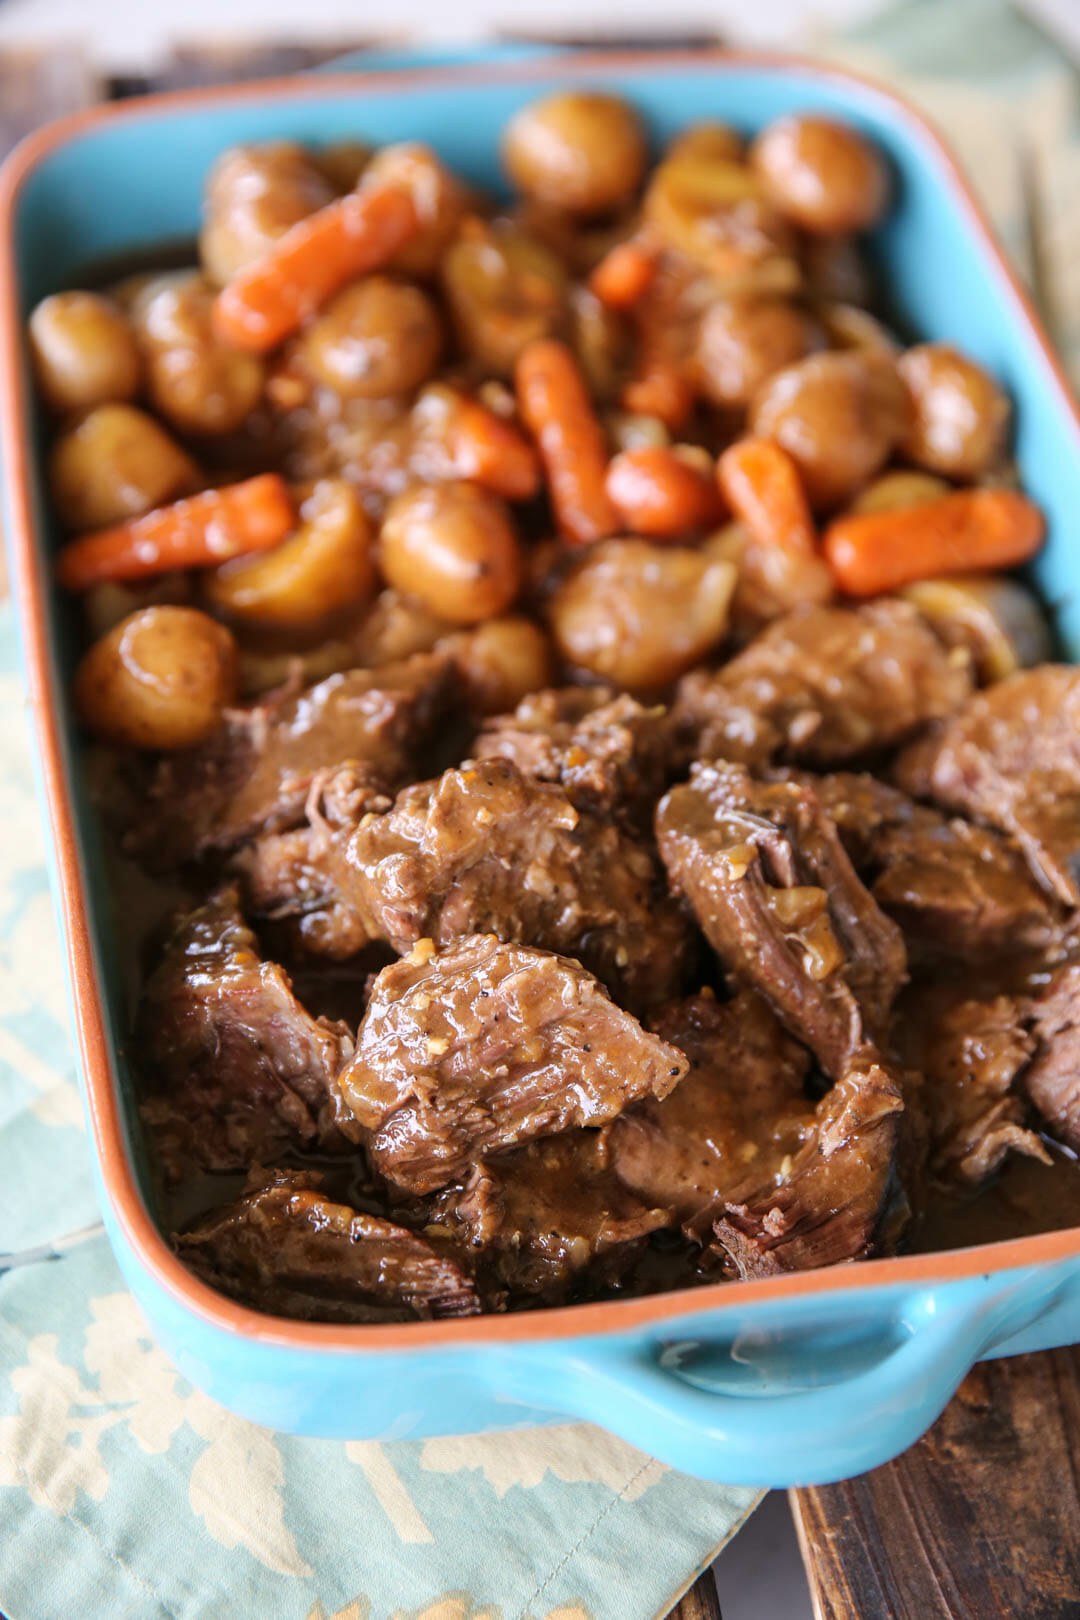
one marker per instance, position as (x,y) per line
(981,1519)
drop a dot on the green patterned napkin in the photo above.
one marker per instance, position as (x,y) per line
(125,1493)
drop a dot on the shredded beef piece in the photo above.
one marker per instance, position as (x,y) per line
(822,686)
(485,849)
(954,889)
(1053,1079)
(607,751)
(548,1216)
(1011,758)
(971,1053)
(483,1046)
(778,899)
(731,1125)
(288,1249)
(255,773)
(232,1067)
(840,1199)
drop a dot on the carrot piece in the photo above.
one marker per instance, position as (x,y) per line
(659,389)
(267,300)
(492,452)
(623,276)
(197,532)
(761,484)
(973,530)
(555,406)
(662,493)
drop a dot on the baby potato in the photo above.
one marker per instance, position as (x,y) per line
(396,627)
(839,415)
(200,384)
(848,326)
(959,415)
(116,464)
(640,615)
(377,338)
(996,618)
(716,213)
(159,679)
(84,351)
(895,491)
(742,342)
(577,150)
(438,197)
(326,566)
(343,163)
(454,547)
(500,662)
(504,289)
(709,142)
(254,194)
(823,175)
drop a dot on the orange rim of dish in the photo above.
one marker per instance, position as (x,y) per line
(608,1317)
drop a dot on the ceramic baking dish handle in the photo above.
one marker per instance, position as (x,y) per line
(734,1431)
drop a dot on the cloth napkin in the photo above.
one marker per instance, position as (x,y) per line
(125,1493)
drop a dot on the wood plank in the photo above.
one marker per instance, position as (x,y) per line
(190,65)
(978,1521)
(39,85)
(700,1602)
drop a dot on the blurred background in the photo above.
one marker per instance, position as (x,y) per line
(124,37)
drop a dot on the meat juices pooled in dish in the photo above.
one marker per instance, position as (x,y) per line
(589,808)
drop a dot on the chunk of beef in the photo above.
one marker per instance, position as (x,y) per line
(822,686)
(233,1068)
(778,899)
(549,1216)
(605,751)
(485,849)
(1011,759)
(483,1046)
(971,1053)
(953,888)
(734,1123)
(1053,1079)
(286,1248)
(840,1198)
(301,875)
(254,775)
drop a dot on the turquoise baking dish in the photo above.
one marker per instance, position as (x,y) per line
(800,1379)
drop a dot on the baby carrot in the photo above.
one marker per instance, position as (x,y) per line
(761,484)
(555,406)
(267,300)
(661,492)
(196,532)
(623,276)
(973,530)
(492,452)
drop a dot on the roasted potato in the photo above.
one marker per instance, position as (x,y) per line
(159,679)
(454,547)
(115,464)
(84,351)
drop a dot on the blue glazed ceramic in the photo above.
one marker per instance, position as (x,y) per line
(793,1380)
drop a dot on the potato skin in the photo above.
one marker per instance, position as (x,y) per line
(502,661)
(254,194)
(159,679)
(326,567)
(823,175)
(959,414)
(199,384)
(84,351)
(454,547)
(116,464)
(581,151)
(377,338)
(640,615)
(743,342)
(839,415)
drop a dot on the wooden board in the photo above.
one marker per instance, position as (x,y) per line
(979,1521)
